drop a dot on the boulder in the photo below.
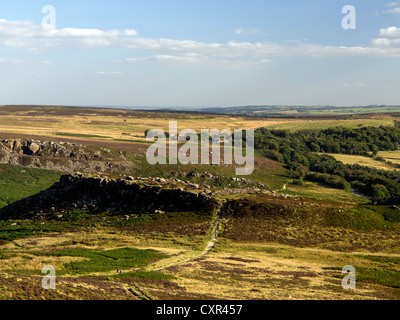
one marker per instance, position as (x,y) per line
(34,148)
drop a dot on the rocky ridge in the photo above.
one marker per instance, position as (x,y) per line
(65,157)
(105,195)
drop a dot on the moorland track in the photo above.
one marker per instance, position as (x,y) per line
(135,290)
(214,232)
(138,293)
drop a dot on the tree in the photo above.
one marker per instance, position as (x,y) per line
(380,192)
(314,147)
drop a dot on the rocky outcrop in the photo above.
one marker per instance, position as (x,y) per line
(104,195)
(65,157)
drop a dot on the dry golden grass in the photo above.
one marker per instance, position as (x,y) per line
(392,156)
(115,124)
(120,124)
(277,273)
(233,270)
(363,161)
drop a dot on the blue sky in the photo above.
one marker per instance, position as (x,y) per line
(199,53)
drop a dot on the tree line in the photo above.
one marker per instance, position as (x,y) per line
(302,153)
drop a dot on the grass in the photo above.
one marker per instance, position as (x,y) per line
(307,223)
(267,172)
(391,156)
(385,271)
(95,123)
(104,261)
(257,255)
(79,135)
(363,161)
(384,277)
(25,229)
(18,182)
(319,192)
(304,124)
(144,275)
(246,269)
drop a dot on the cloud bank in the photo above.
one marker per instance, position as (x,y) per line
(36,38)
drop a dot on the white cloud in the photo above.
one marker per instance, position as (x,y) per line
(113,73)
(35,38)
(23,63)
(390,38)
(391,32)
(130,32)
(30,35)
(395,8)
(358,85)
(200,60)
(250,32)
(168,58)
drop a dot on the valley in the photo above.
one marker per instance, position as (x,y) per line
(77,193)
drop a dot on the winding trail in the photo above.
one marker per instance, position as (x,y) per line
(361,195)
(139,294)
(214,231)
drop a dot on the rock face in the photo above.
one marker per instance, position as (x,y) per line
(64,157)
(100,195)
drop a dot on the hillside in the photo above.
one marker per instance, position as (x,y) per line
(90,206)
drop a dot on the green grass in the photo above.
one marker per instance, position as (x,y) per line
(383,259)
(320,192)
(384,270)
(18,182)
(75,215)
(364,217)
(167,218)
(385,277)
(25,229)
(105,261)
(269,173)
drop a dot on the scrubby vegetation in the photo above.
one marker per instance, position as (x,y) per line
(273,242)
(299,152)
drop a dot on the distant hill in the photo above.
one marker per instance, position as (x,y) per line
(300,111)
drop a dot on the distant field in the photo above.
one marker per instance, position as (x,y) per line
(363,161)
(319,192)
(392,156)
(130,125)
(112,124)
(302,111)
(303,124)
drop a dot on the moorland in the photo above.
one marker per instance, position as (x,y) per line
(77,193)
